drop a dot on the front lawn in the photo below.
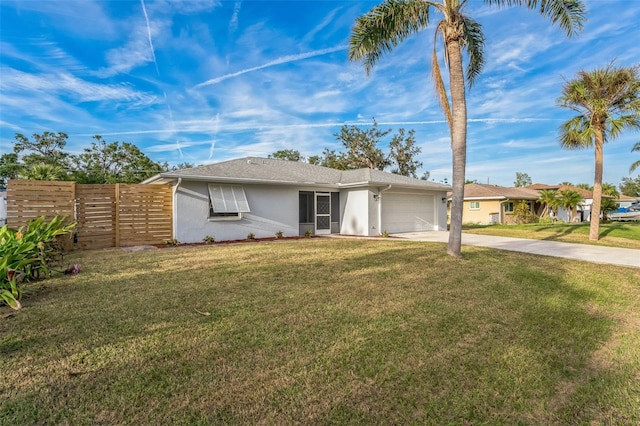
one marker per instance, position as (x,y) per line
(614,234)
(324,331)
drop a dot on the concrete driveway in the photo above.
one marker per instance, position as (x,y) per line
(589,253)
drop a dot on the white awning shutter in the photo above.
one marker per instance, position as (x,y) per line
(228,199)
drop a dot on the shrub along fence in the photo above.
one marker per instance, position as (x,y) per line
(117,215)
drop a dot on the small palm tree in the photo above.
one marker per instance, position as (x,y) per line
(549,198)
(569,200)
(607,101)
(635,164)
(43,171)
(608,204)
(390,23)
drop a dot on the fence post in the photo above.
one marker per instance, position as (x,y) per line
(117,218)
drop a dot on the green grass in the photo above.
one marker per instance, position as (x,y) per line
(615,234)
(325,331)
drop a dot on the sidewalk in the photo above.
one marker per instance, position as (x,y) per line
(586,252)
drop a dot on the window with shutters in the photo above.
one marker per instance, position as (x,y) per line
(227,201)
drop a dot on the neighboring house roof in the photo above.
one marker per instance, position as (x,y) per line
(275,171)
(623,197)
(479,191)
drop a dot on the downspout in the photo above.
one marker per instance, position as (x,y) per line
(380,208)
(175,209)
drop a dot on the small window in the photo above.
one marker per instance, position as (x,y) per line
(474,205)
(508,207)
(227,201)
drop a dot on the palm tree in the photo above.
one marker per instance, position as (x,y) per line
(390,23)
(569,200)
(608,204)
(607,101)
(549,198)
(43,171)
(635,164)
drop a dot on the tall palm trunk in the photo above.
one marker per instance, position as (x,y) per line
(458,143)
(594,227)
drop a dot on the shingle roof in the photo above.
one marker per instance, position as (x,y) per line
(479,190)
(271,170)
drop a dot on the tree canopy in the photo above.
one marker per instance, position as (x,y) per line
(44,158)
(522,179)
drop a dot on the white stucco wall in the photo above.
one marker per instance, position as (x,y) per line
(355,206)
(273,208)
(441,212)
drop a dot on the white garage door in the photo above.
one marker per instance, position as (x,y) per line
(407,212)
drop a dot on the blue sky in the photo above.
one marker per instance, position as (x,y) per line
(206,81)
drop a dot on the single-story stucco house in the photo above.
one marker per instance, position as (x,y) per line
(262,196)
(488,204)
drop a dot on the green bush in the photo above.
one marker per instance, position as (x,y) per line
(523,214)
(279,234)
(209,239)
(28,254)
(251,236)
(308,234)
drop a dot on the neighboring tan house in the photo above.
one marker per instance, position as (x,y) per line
(488,204)
(231,199)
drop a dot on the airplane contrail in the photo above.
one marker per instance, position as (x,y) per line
(281,60)
(153,52)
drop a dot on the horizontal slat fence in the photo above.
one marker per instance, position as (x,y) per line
(145,214)
(118,215)
(29,199)
(96,213)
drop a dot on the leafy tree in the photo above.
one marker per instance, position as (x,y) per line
(549,198)
(565,183)
(315,160)
(180,166)
(426,175)
(584,186)
(114,163)
(47,148)
(635,164)
(607,101)
(570,199)
(332,160)
(287,154)
(630,187)
(10,168)
(362,147)
(468,181)
(522,179)
(402,153)
(390,23)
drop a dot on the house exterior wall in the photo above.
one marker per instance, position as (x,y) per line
(273,209)
(483,214)
(441,211)
(355,205)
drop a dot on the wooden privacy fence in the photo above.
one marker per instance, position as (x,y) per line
(118,215)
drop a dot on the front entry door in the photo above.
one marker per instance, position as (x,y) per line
(323,213)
